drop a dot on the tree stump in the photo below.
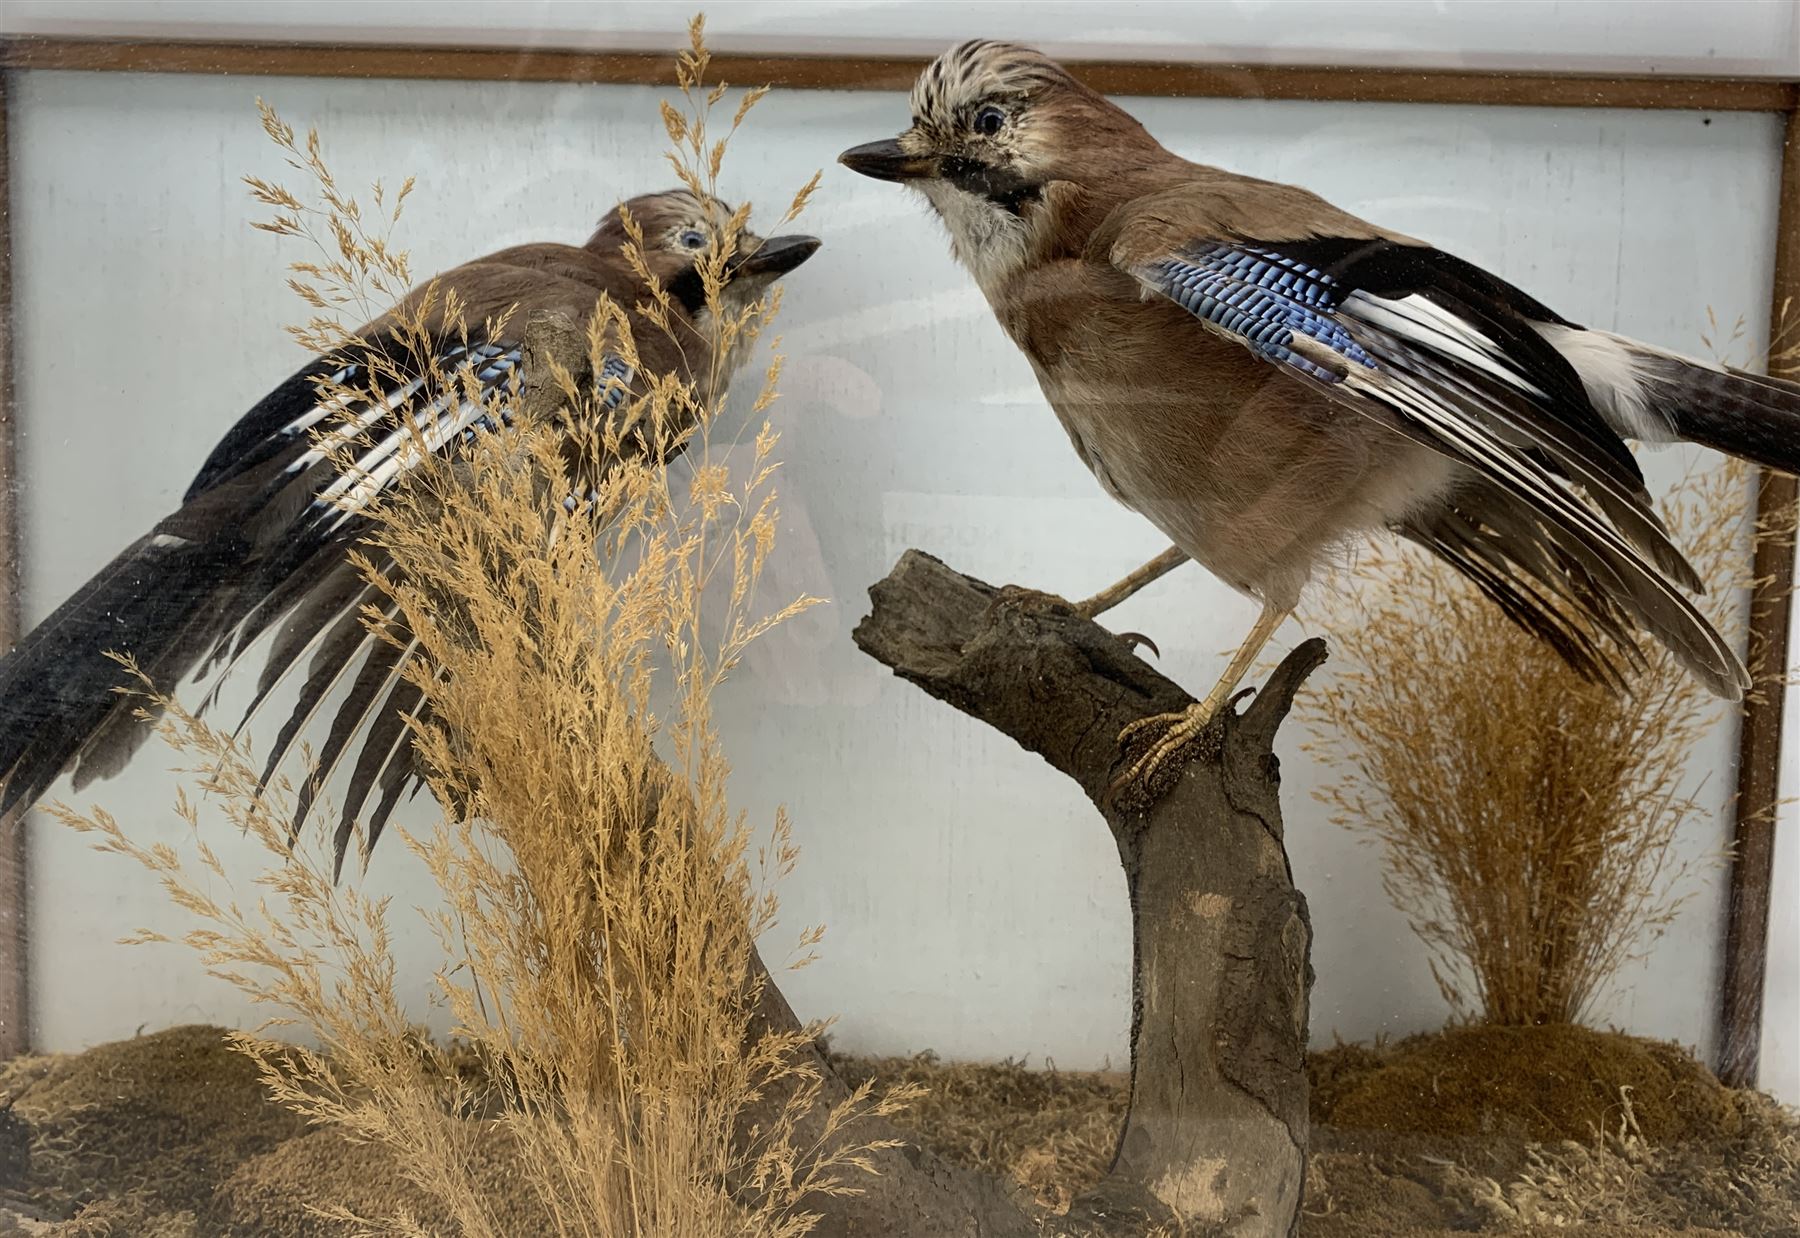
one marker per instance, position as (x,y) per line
(1216,1134)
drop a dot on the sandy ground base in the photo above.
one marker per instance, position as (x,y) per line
(1473,1130)
(1516,1131)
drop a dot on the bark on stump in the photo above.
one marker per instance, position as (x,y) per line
(1217,1128)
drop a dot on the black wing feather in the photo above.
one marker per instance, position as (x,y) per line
(384,749)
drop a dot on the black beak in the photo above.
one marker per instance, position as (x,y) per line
(885,161)
(777,256)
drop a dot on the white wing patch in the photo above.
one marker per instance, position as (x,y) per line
(1419,320)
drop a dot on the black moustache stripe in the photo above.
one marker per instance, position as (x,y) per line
(1003,188)
(688,290)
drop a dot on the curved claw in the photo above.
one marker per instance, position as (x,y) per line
(1134,639)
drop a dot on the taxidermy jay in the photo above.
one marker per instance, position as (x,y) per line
(1267,378)
(258,546)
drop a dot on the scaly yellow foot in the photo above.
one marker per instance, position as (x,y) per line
(1022,598)
(1141,781)
(1177,732)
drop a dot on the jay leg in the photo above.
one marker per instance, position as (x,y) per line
(1110,597)
(1180,729)
(1105,600)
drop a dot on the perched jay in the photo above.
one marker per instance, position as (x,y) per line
(1265,377)
(256,553)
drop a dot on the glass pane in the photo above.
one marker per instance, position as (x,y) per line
(1450,947)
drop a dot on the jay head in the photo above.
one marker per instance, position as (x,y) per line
(1008,148)
(680,231)
(678,228)
(1268,378)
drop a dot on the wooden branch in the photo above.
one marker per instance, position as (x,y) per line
(1217,1127)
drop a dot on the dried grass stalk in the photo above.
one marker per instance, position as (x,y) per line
(1526,816)
(600,904)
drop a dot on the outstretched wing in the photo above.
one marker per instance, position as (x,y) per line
(1447,355)
(310,606)
(312,457)
(259,537)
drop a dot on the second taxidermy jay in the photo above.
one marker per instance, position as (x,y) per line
(1266,377)
(258,547)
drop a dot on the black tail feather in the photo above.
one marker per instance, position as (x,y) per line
(377,672)
(343,644)
(1748,415)
(59,689)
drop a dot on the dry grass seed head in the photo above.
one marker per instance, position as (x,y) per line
(1526,817)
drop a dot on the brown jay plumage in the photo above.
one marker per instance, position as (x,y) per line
(1267,378)
(256,554)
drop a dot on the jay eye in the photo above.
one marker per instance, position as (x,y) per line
(988,121)
(693,238)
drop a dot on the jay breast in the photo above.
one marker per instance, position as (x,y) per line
(1254,475)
